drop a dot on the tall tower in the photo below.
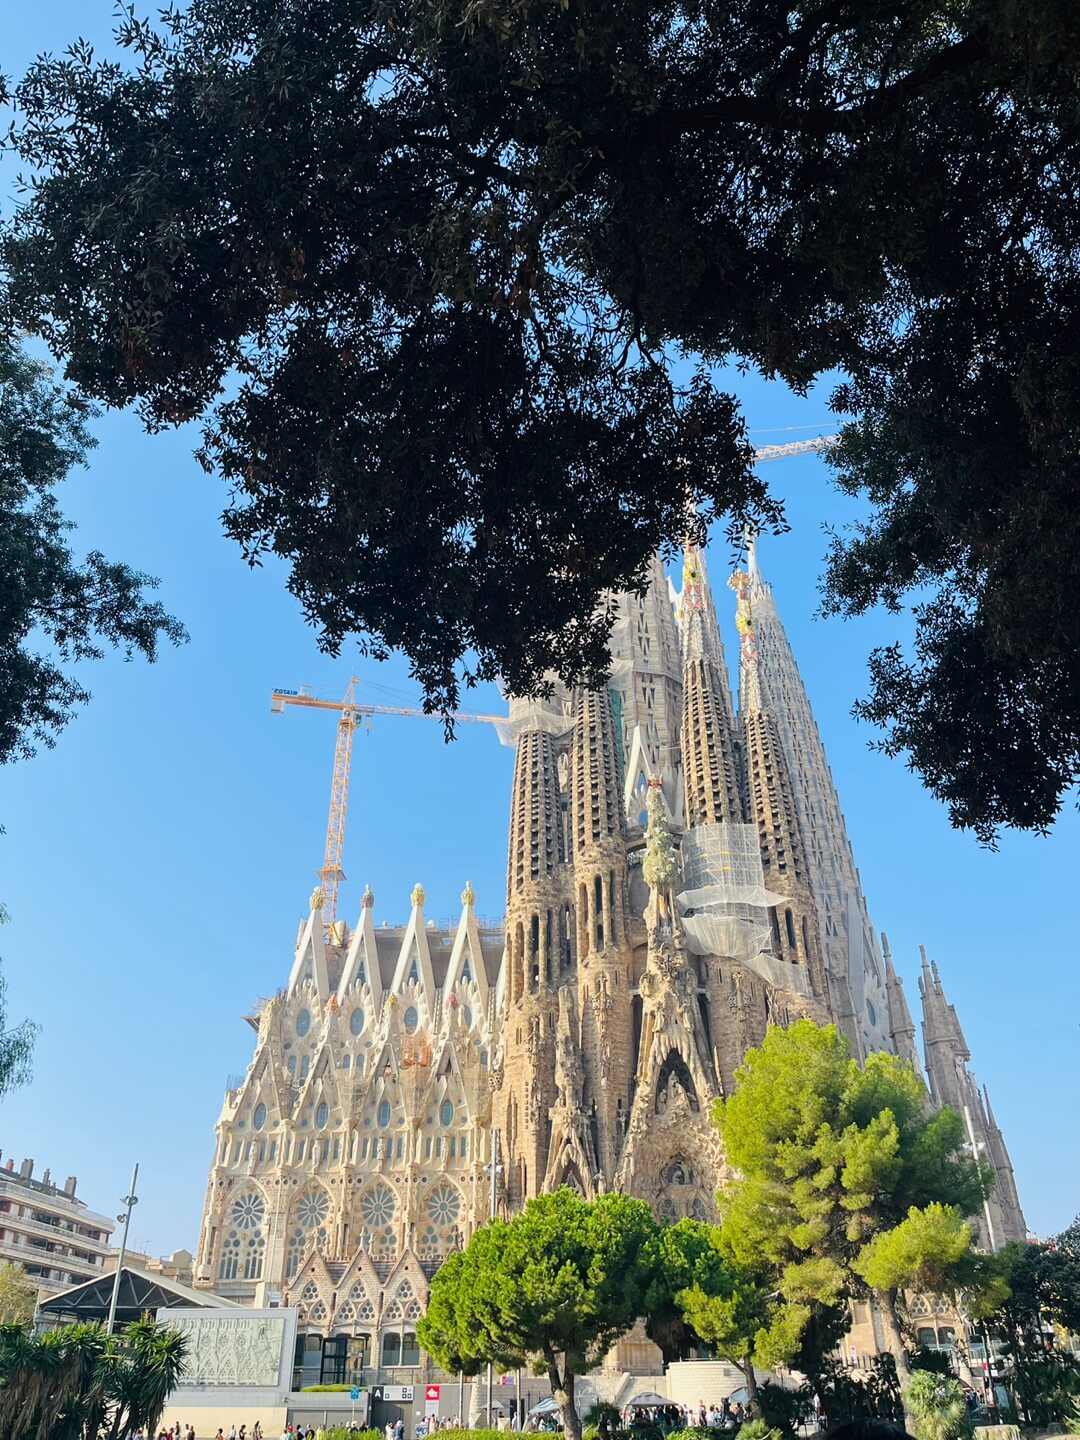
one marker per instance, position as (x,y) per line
(646,687)
(604,951)
(951,1083)
(540,946)
(772,805)
(855,974)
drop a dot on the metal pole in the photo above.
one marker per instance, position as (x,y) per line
(461,1398)
(991,1237)
(129,1201)
(491,1215)
(517,1402)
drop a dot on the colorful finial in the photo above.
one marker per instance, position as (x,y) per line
(367,900)
(318,899)
(468,895)
(418,896)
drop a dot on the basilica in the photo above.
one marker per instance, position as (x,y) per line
(679,877)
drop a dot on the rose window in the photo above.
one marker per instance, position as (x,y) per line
(377,1205)
(444,1205)
(248,1212)
(312,1209)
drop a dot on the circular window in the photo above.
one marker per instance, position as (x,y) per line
(356,1020)
(259,1118)
(871,1012)
(412,1019)
(312,1209)
(383,1116)
(377,1205)
(444,1204)
(248,1212)
(446,1112)
(466,1015)
(322,1115)
(303,1023)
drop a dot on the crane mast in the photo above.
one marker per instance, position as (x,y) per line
(350,712)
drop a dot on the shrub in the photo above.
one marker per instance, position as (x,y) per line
(693,1432)
(597,1414)
(937,1406)
(342,1432)
(758,1430)
(784,1407)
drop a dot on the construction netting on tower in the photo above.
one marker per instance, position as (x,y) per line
(724,903)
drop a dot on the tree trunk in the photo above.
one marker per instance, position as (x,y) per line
(752,1395)
(894,1339)
(562,1390)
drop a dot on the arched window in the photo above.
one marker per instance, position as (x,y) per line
(259,1118)
(412,1020)
(303,1023)
(446,1113)
(790,924)
(382,1116)
(322,1115)
(356,1020)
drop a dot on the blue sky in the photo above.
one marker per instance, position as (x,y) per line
(157,861)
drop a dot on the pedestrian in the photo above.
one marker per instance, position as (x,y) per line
(286,1433)
(399,1429)
(243,1432)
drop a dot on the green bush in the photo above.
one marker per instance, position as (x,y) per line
(597,1414)
(758,1430)
(937,1406)
(590,1432)
(342,1432)
(693,1432)
(324,1388)
(784,1407)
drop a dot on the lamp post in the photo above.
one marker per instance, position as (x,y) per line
(495,1169)
(129,1201)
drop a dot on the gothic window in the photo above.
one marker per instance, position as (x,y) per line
(303,1023)
(405,1291)
(356,1020)
(317,1313)
(230,1256)
(308,1228)
(245,1244)
(446,1113)
(393,1313)
(383,1115)
(412,1019)
(466,1015)
(345,1315)
(322,1115)
(259,1118)
(309,1294)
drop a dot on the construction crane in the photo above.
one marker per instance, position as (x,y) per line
(764,453)
(350,713)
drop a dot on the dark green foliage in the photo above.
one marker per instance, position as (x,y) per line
(1044,1291)
(453,248)
(77,1384)
(554,1286)
(55,611)
(784,1407)
(939,1362)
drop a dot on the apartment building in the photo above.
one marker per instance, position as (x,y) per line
(49,1231)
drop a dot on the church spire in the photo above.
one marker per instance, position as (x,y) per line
(772,810)
(846,937)
(710,777)
(952,1083)
(901,1025)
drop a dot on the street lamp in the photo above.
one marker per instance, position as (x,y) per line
(495,1170)
(129,1201)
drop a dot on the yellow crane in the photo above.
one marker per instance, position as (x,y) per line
(351,711)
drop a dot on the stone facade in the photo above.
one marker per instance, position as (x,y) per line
(679,877)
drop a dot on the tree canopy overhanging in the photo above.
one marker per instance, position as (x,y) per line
(455,251)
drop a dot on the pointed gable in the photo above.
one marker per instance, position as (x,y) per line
(362,961)
(310,961)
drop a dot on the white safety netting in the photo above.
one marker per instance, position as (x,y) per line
(724,903)
(549,717)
